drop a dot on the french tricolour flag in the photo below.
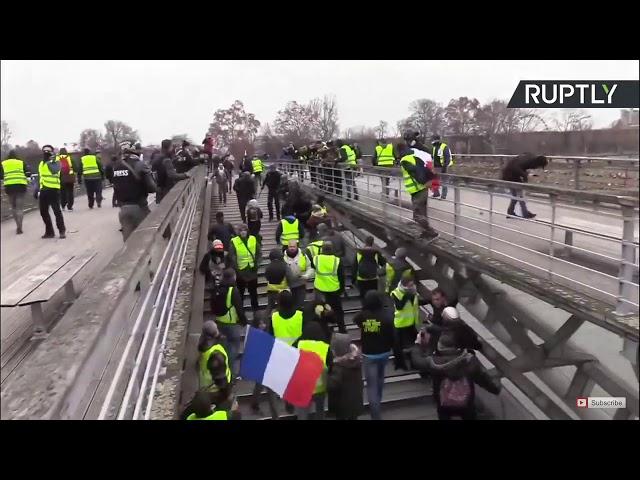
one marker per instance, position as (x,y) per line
(289,372)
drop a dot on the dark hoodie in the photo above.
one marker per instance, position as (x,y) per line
(344,383)
(289,219)
(453,363)
(214,257)
(376,326)
(277,269)
(217,362)
(516,169)
(219,300)
(367,267)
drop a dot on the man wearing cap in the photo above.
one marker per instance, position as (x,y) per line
(132,182)
(214,261)
(48,192)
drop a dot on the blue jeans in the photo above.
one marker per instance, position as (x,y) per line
(233,334)
(374,376)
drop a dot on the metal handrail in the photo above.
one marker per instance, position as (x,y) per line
(606,287)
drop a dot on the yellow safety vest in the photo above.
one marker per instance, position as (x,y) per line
(408,316)
(409,183)
(314,248)
(385,155)
(232,315)
(321,349)
(68,157)
(351,155)
(290,231)
(14,172)
(217,415)
(390,271)
(90,165)
(257,165)
(327,279)
(246,257)
(48,179)
(441,154)
(359,258)
(278,287)
(287,329)
(206,381)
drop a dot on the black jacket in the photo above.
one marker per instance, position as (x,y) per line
(223,232)
(245,188)
(216,258)
(246,165)
(166,173)
(419,172)
(368,266)
(272,180)
(276,271)
(344,382)
(248,274)
(376,330)
(219,298)
(453,364)
(516,169)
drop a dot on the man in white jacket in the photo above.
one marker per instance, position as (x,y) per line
(301,269)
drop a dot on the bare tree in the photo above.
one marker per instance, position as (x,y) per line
(6,135)
(381,129)
(234,124)
(91,138)
(573,120)
(461,115)
(298,122)
(117,131)
(325,112)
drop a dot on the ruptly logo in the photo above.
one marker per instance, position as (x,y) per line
(576,94)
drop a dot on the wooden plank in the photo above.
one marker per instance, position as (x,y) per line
(14,293)
(57,281)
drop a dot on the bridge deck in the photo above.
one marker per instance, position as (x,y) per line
(87,230)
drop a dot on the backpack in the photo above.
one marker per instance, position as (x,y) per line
(219,301)
(252,214)
(455,393)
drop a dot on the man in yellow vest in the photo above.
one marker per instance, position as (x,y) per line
(289,228)
(15,173)
(314,340)
(385,158)
(258,167)
(91,169)
(245,256)
(215,376)
(329,281)
(201,408)
(406,318)
(417,180)
(348,158)
(442,159)
(226,305)
(368,267)
(300,268)
(278,277)
(48,192)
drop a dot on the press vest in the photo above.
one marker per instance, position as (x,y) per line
(206,381)
(246,257)
(321,349)
(232,315)
(14,172)
(127,188)
(385,155)
(287,329)
(408,316)
(409,183)
(327,279)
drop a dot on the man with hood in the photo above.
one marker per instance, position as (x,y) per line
(377,336)
(254,218)
(214,262)
(278,276)
(397,268)
(245,190)
(226,305)
(272,182)
(368,266)
(516,171)
(301,271)
(67,179)
(344,381)
(455,372)
(244,256)
(314,340)
(213,363)
(289,228)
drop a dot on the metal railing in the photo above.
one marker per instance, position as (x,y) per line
(576,172)
(586,241)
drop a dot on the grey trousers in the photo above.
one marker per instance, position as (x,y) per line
(16,199)
(419,204)
(131,216)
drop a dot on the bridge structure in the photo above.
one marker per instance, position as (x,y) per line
(554,300)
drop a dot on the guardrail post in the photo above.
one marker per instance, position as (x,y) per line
(490,189)
(456,207)
(625,275)
(576,174)
(553,199)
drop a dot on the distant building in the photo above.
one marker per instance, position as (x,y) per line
(629,117)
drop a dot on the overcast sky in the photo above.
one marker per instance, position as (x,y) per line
(53,101)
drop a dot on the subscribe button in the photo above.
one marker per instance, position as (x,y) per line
(601,402)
